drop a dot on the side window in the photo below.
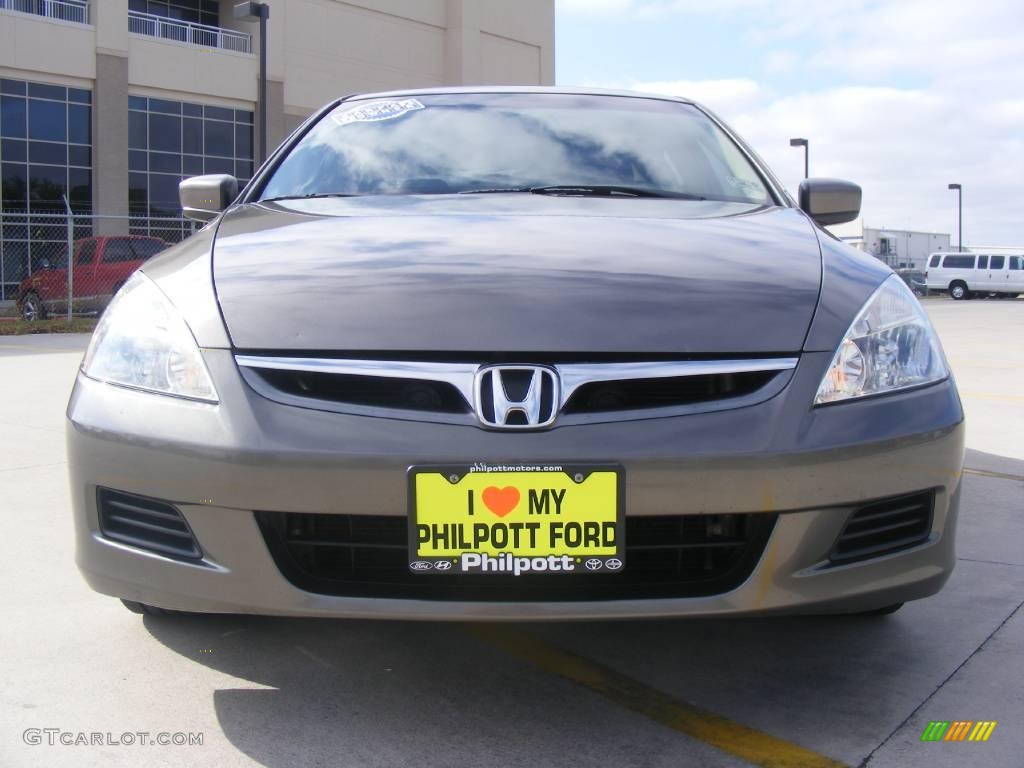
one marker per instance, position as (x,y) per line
(1015,262)
(145,249)
(118,249)
(982,262)
(86,253)
(958,262)
(997,262)
(935,260)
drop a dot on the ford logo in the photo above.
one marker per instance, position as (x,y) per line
(420,565)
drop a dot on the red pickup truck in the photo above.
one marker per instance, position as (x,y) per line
(101,265)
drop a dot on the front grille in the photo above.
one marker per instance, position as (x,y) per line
(635,394)
(367,556)
(445,389)
(145,523)
(885,526)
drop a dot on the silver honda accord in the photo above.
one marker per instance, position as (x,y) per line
(509,353)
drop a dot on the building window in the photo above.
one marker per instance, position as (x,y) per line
(45,153)
(45,146)
(196,11)
(171,140)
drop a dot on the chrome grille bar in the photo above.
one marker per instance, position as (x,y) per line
(459,375)
(575,375)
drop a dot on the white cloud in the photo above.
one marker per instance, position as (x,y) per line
(962,119)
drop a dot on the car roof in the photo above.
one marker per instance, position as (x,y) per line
(485,89)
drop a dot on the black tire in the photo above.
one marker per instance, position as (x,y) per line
(958,290)
(884,611)
(32,308)
(147,610)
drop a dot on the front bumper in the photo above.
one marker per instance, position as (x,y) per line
(218,464)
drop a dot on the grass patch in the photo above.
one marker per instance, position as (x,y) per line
(52,325)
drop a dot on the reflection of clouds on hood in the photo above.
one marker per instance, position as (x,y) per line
(664,145)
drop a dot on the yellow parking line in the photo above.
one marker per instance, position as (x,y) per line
(987,473)
(750,744)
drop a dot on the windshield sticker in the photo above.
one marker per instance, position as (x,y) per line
(379,110)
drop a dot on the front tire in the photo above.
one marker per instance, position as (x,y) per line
(958,290)
(884,611)
(147,610)
(32,308)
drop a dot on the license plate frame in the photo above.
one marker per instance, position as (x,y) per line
(584,559)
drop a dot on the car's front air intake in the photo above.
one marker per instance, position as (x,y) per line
(885,526)
(367,556)
(145,523)
(638,394)
(374,391)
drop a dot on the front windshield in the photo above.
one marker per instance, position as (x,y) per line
(450,143)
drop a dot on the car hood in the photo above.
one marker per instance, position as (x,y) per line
(516,273)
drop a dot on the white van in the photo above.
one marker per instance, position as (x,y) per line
(967,274)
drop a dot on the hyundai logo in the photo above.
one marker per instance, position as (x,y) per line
(517,396)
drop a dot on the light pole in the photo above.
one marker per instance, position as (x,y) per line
(254,10)
(959,215)
(807,151)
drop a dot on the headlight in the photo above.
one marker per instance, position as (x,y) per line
(889,346)
(142,342)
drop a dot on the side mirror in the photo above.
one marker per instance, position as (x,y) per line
(830,201)
(203,197)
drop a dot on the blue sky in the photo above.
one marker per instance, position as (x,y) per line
(901,96)
(677,46)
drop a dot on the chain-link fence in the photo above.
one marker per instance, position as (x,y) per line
(35,281)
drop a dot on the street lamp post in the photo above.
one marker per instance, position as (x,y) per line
(253,10)
(807,151)
(959,215)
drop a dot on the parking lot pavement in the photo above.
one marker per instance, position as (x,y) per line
(984,341)
(284,692)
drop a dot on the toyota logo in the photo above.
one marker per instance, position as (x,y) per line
(517,396)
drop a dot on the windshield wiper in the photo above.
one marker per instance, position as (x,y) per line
(611,190)
(310,196)
(589,190)
(494,190)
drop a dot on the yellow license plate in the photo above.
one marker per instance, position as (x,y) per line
(516,519)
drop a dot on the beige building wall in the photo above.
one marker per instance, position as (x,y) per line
(317,50)
(53,50)
(321,49)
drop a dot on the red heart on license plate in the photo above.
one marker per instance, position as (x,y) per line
(501,501)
